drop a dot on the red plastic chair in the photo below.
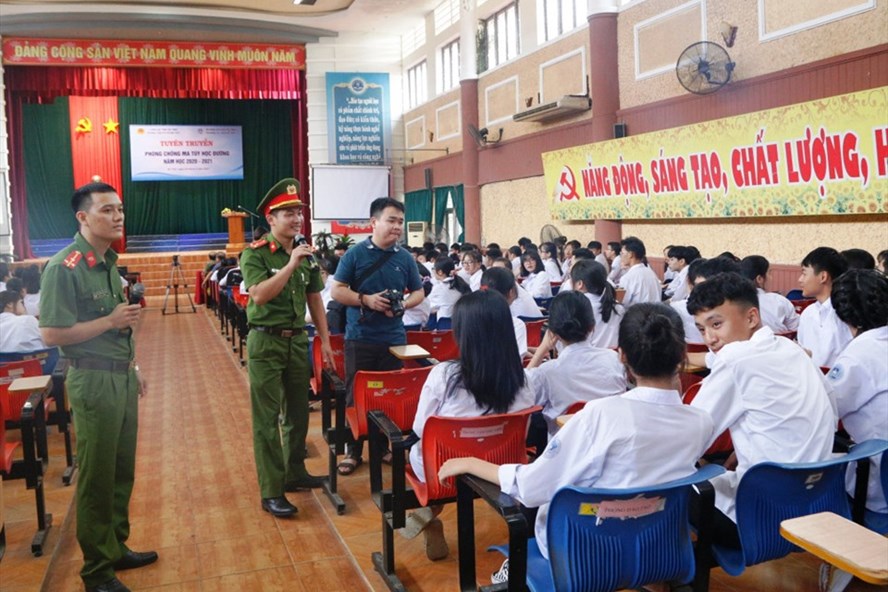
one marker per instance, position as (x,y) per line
(723,444)
(337,344)
(697,348)
(395,393)
(575,407)
(535,332)
(440,344)
(11,405)
(688,380)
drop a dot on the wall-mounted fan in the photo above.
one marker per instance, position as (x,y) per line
(704,67)
(482,136)
(550,234)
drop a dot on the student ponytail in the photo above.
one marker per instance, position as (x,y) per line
(446,267)
(594,278)
(652,340)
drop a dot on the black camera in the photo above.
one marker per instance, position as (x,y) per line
(396,302)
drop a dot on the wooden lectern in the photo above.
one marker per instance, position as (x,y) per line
(236,241)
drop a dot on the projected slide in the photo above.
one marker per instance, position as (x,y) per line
(186,152)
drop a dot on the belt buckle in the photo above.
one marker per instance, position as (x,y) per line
(288,333)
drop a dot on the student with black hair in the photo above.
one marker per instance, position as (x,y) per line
(514,257)
(582,371)
(569,248)
(612,253)
(776,311)
(882,261)
(31,279)
(820,330)
(677,259)
(491,254)
(595,247)
(639,280)
(4,275)
(859,377)
(500,280)
(536,280)
(859,259)
(763,388)
(19,331)
(483,380)
(549,256)
(614,442)
(447,290)
(472,268)
(590,279)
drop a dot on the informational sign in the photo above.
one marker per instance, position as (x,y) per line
(358,117)
(183,54)
(186,152)
(823,157)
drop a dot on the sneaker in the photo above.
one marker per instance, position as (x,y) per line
(435,543)
(501,576)
(833,579)
(415,522)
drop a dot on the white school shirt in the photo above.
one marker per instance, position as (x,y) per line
(678,287)
(616,271)
(32,304)
(859,379)
(603,260)
(643,437)
(19,333)
(516,266)
(821,331)
(433,400)
(443,297)
(565,268)
(641,285)
(581,372)
(777,312)
(537,284)
(520,335)
(692,334)
(524,305)
(419,314)
(552,270)
(473,280)
(605,334)
(774,400)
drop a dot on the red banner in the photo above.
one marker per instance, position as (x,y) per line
(180,54)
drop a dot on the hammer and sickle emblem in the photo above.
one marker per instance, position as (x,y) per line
(84,125)
(567,185)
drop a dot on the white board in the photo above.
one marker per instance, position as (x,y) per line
(344,192)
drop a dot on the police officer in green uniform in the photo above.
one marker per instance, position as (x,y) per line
(83,310)
(282,277)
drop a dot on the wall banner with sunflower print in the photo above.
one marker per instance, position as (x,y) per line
(823,157)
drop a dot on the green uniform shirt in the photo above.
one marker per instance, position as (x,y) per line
(76,287)
(261,260)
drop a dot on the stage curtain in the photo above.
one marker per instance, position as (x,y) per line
(299,118)
(184,207)
(47,168)
(440,206)
(418,206)
(460,207)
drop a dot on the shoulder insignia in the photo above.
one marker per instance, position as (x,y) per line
(259,243)
(72,259)
(91,259)
(273,247)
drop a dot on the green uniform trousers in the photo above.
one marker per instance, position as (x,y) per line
(278,368)
(106,419)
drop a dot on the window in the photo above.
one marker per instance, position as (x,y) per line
(413,40)
(417,87)
(561,16)
(501,31)
(446,15)
(449,67)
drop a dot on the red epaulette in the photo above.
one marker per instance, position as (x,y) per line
(72,259)
(259,243)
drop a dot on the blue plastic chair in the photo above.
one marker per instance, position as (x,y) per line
(444,324)
(794,294)
(877,521)
(769,493)
(595,554)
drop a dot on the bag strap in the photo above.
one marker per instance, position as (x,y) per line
(356,285)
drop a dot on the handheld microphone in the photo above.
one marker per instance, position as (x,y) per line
(136,293)
(312,262)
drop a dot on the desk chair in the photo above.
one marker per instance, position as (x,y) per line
(440,344)
(600,540)
(534,331)
(801,304)
(496,438)
(329,385)
(395,393)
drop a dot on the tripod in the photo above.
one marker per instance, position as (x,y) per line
(176,277)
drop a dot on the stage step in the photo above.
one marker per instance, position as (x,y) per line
(157,271)
(149,243)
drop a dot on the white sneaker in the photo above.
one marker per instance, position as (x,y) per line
(833,579)
(501,576)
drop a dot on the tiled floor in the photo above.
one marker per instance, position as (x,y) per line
(196,500)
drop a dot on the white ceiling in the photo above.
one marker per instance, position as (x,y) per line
(256,21)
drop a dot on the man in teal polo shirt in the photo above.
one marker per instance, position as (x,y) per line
(282,277)
(83,310)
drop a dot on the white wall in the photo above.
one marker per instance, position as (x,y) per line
(5,203)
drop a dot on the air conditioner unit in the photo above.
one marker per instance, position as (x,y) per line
(564,107)
(416,232)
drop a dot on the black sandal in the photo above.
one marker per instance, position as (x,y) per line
(349,465)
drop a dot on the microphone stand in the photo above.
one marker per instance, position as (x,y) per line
(252,215)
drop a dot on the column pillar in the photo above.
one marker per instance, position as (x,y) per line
(5,199)
(469,109)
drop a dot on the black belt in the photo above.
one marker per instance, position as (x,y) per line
(279,331)
(103,365)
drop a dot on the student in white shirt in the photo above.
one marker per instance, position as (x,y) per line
(549,257)
(498,279)
(471,269)
(590,279)
(859,376)
(639,280)
(514,257)
(777,312)
(569,249)
(581,372)
(19,331)
(678,259)
(595,248)
(521,303)
(763,388)
(536,280)
(612,254)
(449,288)
(4,275)
(820,330)
(614,442)
(487,378)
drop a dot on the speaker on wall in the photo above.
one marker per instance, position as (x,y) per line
(428,178)
(620,130)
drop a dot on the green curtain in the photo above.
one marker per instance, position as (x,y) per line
(441,205)
(418,206)
(47,159)
(184,207)
(460,207)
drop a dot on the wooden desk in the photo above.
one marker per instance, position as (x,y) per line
(845,544)
(409,352)
(692,369)
(30,383)
(563,419)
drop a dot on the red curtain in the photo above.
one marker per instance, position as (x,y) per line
(96,151)
(18,190)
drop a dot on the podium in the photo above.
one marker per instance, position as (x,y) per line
(236,241)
